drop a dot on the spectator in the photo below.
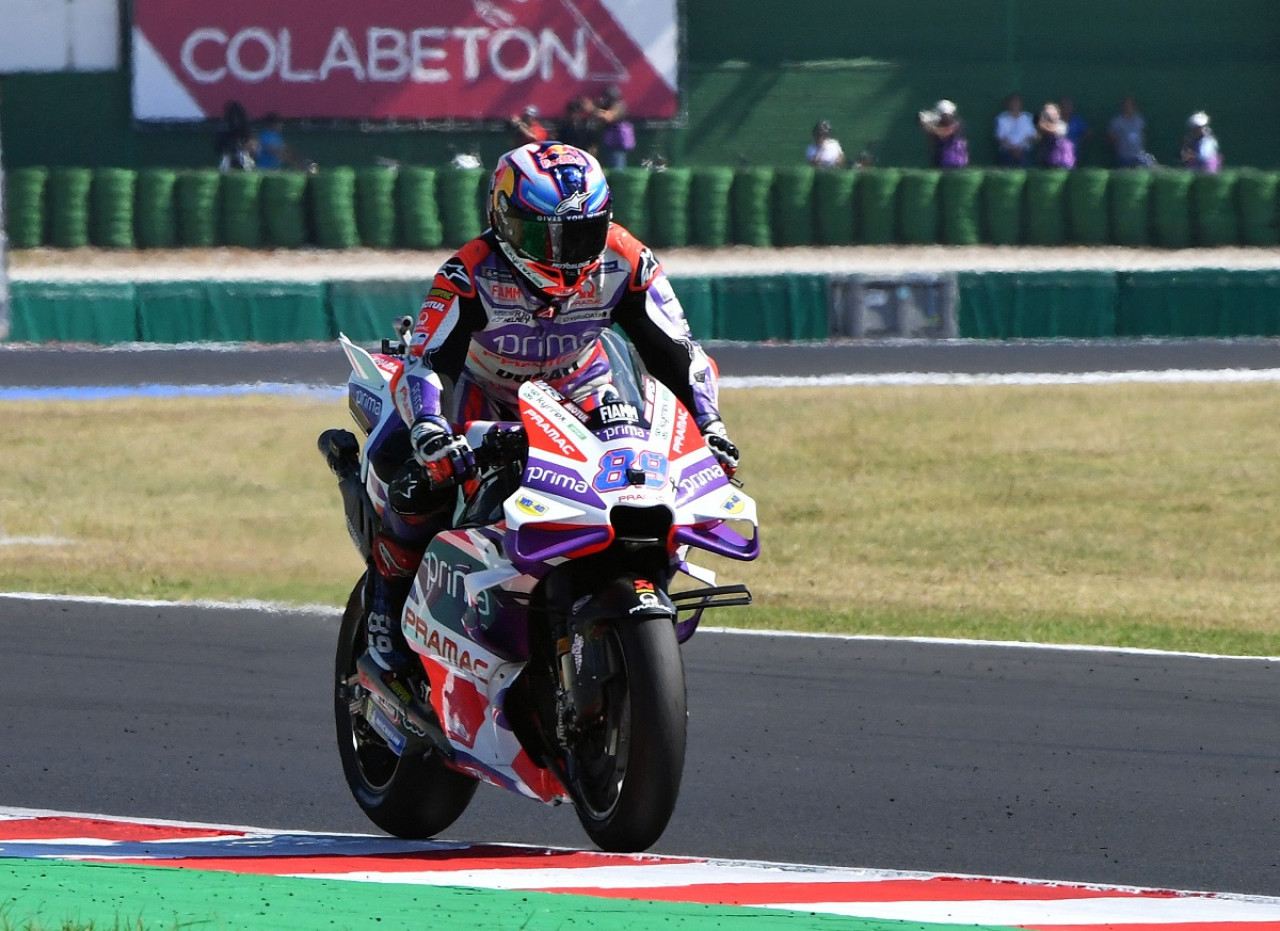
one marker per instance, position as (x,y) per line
(948,147)
(273,151)
(234,142)
(580,127)
(1056,148)
(526,127)
(1078,129)
(825,151)
(1127,133)
(1015,134)
(1200,146)
(618,135)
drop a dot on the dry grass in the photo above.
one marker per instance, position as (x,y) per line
(1127,514)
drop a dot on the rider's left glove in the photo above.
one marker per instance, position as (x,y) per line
(721,446)
(446,457)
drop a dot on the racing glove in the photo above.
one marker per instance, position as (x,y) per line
(445,456)
(721,446)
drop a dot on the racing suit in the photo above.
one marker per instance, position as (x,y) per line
(486,332)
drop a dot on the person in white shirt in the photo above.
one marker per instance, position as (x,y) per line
(1015,134)
(824,151)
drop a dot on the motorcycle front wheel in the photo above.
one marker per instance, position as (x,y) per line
(414,796)
(628,761)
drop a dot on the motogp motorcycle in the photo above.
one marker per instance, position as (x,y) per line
(547,618)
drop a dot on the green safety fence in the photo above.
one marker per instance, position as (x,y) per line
(1128,199)
(1036,305)
(1171,208)
(960,191)
(793,206)
(376,207)
(669,207)
(366,311)
(333,208)
(751,212)
(1256,196)
(69,207)
(760,307)
(284,201)
(196,194)
(1002,195)
(418,209)
(111,208)
(233,311)
(1046,196)
(918,219)
(25,206)
(629,188)
(461,191)
(834,207)
(241,197)
(698,300)
(1213,209)
(709,200)
(878,205)
(101,312)
(155,221)
(1087,206)
(1199,302)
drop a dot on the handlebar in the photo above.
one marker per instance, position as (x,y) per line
(501,447)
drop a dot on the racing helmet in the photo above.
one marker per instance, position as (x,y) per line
(550,208)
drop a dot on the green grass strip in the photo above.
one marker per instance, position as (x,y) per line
(39,894)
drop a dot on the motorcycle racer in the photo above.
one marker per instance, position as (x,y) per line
(526,299)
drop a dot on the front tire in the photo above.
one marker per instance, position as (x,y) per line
(414,796)
(627,766)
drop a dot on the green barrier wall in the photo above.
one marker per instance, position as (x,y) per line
(72,312)
(1035,305)
(1199,302)
(991,305)
(788,307)
(233,311)
(366,311)
(340,208)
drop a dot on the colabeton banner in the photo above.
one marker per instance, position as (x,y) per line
(387,60)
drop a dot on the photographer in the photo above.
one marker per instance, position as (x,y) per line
(948,147)
(526,127)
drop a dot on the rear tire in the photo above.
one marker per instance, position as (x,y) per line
(410,796)
(626,772)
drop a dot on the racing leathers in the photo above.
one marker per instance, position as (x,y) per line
(483,330)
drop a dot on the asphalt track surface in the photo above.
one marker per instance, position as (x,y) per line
(1087,766)
(324,364)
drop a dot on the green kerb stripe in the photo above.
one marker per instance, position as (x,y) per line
(53,894)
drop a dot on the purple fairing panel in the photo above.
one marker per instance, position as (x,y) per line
(704,475)
(549,478)
(506,633)
(531,546)
(719,539)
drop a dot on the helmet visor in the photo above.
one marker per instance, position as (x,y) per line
(560,243)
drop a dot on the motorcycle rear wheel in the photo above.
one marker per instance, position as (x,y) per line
(627,767)
(414,796)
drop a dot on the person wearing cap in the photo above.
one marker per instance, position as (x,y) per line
(526,127)
(825,151)
(1200,145)
(948,147)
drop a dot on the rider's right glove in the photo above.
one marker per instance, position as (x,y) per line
(721,446)
(445,456)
